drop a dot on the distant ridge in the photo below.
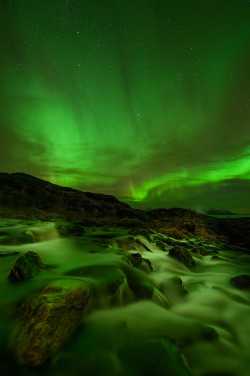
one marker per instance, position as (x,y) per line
(218,212)
(22,192)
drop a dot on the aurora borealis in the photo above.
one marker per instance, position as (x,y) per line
(147,100)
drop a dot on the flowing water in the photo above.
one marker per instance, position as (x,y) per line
(207,317)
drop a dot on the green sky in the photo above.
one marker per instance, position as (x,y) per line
(148,100)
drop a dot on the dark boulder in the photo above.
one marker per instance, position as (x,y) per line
(26,266)
(241,281)
(140,285)
(183,256)
(141,232)
(146,265)
(136,260)
(160,244)
(200,250)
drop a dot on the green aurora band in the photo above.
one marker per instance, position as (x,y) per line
(144,99)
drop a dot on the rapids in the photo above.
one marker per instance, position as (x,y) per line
(210,323)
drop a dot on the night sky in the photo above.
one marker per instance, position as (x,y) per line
(148,100)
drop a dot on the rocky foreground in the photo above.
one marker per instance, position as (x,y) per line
(117,291)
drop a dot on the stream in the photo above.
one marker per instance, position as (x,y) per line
(208,318)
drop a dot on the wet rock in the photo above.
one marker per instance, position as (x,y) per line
(146,265)
(183,256)
(153,357)
(209,334)
(26,266)
(141,232)
(214,257)
(158,236)
(174,233)
(139,242)
(173,289)
(108,277)
(175,285)
(161,245)
(169,241)
(241,281)
(126,242)
(105,235)
(46,320)
(138,283)
(136,260)
(74,228)
(200,250)
(78,228)
(16,239)
(64,229)
(8,254)
(182,244)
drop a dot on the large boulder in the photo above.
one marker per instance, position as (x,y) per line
(47,319)
(182,255)
(26,266)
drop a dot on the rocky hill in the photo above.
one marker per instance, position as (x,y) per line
(25,196)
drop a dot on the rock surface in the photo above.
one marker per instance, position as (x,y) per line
(241,281)
(26,266)
(105,277)
(47,319)
(182,255)
(140,285)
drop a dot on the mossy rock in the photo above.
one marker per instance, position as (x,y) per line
(46,320)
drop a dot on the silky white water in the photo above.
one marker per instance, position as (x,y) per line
(210,323)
